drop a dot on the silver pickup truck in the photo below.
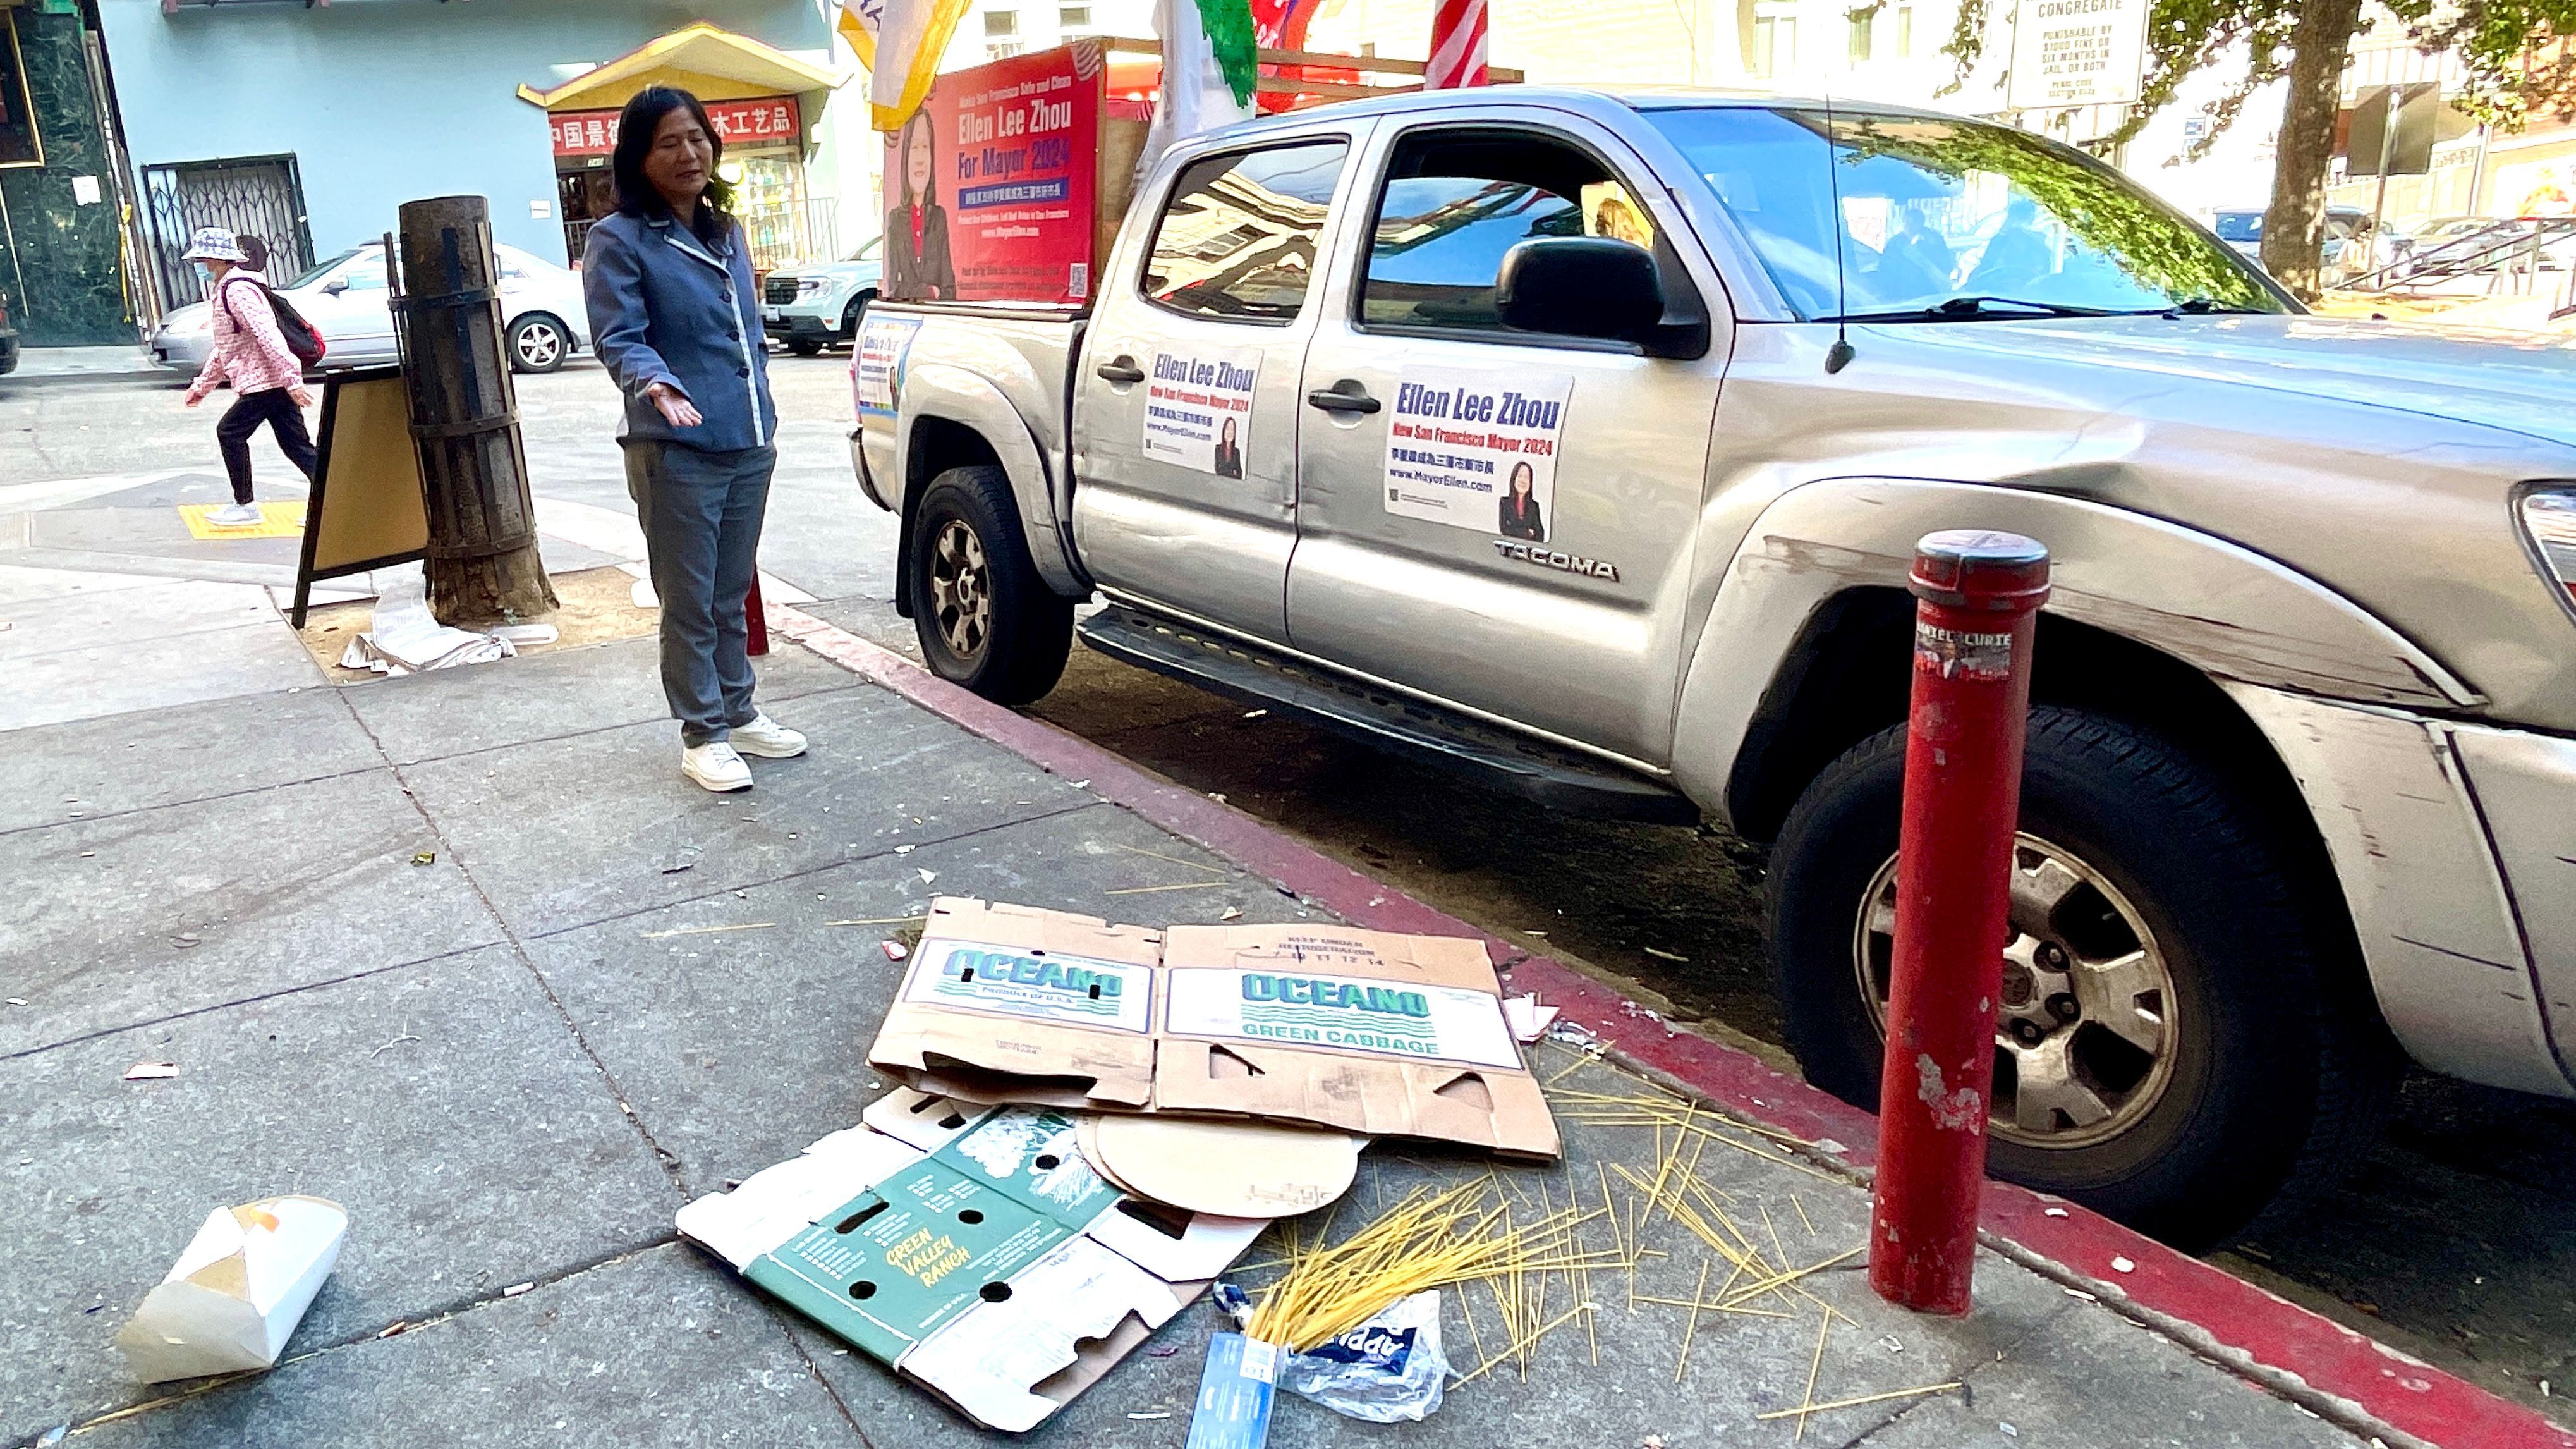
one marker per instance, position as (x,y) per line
(1580,440)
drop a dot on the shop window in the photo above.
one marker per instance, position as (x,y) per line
(1775,45)
(19,144)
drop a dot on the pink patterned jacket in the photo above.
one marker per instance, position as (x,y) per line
(249,352)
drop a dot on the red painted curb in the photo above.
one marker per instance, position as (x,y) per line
(2238,1318)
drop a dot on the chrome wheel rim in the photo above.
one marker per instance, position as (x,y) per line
(539,345)
(2085,1031)
(961,589)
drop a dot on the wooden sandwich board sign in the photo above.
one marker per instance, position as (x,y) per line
(366,510)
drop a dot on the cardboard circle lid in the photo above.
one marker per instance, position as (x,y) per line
(1232,1169)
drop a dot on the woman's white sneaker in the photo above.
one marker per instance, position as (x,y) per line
(238,515)
(768,739)
(716,766)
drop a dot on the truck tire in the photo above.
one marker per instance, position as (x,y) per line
(805,346)
(985,618)
(2181,1037)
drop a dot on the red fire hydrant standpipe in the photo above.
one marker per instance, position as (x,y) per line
(1980,594)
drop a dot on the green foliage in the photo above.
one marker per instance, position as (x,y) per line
(2515,70)
(2101,208)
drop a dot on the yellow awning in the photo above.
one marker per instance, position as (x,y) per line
(711,63)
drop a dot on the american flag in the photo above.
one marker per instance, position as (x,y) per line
(1457,45)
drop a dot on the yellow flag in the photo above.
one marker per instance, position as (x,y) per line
(900,42)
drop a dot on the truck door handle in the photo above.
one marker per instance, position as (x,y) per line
(1346,396)
(1121,368)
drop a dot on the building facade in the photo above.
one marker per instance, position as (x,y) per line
(309,125)
(62,237)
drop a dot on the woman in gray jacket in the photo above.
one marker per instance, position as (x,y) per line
(673,316)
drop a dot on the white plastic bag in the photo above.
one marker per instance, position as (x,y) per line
(1388,1370)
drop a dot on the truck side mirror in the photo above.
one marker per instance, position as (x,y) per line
(1581,287)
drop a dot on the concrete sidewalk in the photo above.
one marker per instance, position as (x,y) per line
(515,1061)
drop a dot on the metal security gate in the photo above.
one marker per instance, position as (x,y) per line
(262,196)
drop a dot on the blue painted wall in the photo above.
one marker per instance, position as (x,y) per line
(386,101)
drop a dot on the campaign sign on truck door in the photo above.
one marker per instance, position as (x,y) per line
(1198,408)
(1477,450)
(990,187)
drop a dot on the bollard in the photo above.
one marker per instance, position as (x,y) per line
(755,620)
(1980,594)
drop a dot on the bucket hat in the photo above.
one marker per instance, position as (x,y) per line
(213,244)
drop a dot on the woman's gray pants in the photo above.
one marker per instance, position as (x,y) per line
(701,513)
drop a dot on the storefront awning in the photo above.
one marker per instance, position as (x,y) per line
(711,63)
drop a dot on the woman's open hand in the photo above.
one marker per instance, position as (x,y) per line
(674,405)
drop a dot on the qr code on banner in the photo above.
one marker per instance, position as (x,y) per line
(1077,281)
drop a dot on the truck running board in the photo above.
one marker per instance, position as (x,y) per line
(1559,779)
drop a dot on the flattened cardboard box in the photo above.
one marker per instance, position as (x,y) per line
(974,1252)
(1365,1032)
(1012,1003)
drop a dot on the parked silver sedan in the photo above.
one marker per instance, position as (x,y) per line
(544,322)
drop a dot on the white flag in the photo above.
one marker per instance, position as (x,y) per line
(1194,95)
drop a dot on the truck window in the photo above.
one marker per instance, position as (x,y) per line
(1932,210)
(1237,240)
(1455,201)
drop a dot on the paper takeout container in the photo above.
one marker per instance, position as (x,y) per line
(237,1292)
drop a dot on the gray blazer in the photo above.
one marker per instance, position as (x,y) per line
(663,308)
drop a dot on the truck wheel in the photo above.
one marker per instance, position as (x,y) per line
(2178,1039)
(986,620)
(805,346)
(851,318)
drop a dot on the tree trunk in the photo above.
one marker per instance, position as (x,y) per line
(2294,228)
(483,564)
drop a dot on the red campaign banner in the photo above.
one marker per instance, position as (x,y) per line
(762,118)
(991,189)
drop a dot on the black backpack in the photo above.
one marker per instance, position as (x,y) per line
(302,337)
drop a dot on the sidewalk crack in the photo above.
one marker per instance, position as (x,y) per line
(669,1161)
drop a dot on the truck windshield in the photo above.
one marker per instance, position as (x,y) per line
(1935,212)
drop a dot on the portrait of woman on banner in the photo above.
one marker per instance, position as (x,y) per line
(1229,454)
(916,229)
(1520,507)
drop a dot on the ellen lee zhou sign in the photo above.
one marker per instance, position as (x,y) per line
(1477,450)
(991,189)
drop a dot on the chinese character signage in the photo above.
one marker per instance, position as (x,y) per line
(992,187)
(737,123)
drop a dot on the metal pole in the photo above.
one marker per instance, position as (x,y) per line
(1979,596)
(2379,201)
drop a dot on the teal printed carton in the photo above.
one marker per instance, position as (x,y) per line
(1006,1003)
(1366,1032)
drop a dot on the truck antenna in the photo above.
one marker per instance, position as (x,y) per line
(1838,356)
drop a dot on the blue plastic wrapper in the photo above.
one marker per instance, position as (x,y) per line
(1388,1370)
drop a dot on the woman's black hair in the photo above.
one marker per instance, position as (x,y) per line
(1520,466)
(254,251)
(636,127)
(929,196)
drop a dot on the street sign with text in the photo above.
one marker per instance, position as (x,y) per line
(2076,53)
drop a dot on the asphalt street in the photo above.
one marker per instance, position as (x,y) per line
(2455,1240)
